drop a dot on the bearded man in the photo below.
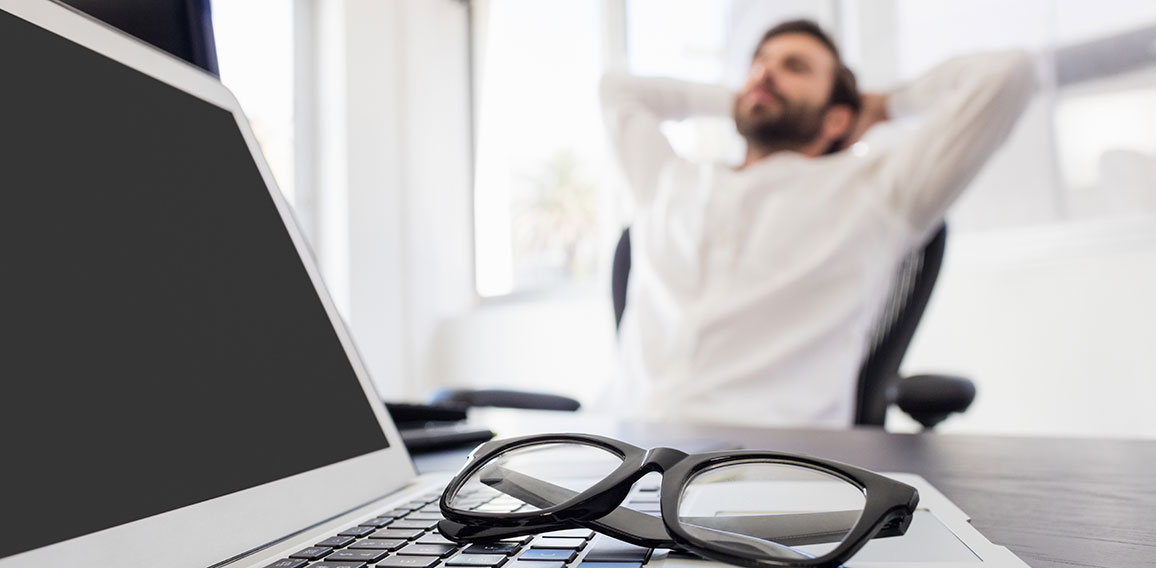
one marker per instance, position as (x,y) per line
(753,288)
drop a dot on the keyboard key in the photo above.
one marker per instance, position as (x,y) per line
(570,533)
(408,562)
(377,522)
(379,544)
(396,513)
(312,553)
(419,516)
(336,541)
(338,565)
(405,534)
(506,548)
(356,531)
(441,550)
(560,555)
(498,507)
(411,524)
(613,550)
(608,565)
(475,560)
(288,563)
(435,538)
(362,555)
(537,564)
(559,542)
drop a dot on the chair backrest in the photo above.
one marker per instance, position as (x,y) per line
(890,336)
(894,328)
(183,28)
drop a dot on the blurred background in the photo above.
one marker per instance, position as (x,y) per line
(446,159)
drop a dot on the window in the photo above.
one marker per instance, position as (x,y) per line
(255,52)
(540,157)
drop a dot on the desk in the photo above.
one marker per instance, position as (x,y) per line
(1056,503)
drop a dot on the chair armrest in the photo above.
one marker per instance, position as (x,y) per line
(465,398)
(930,399)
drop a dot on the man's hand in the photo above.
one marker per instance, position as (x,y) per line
(872,111)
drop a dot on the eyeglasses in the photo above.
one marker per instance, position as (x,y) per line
(751,508)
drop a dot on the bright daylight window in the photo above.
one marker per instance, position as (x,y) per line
(540,158)
(255,53)
(684,39)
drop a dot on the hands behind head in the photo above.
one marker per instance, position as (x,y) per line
(872,111)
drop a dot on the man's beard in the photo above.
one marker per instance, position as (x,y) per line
(797,125)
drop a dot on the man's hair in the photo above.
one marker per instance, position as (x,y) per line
(844,90)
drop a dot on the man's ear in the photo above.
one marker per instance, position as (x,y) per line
(837,122)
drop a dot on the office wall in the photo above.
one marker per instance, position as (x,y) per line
(392,177)
(563,344)
(1055,324)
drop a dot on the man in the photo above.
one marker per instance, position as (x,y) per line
(753,289)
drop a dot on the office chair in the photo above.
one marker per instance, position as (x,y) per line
(184,28)
(929,399)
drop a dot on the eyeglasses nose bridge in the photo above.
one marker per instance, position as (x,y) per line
(662,459)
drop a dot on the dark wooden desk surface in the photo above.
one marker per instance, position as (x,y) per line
(1053,502)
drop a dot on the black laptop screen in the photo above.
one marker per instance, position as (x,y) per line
(161,343)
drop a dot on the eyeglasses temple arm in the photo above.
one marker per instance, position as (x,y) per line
(794,529)
(543,494)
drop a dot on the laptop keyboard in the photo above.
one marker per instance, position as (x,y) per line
(407,537)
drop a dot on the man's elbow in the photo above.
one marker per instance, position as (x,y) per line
(611,87)
(1021,71)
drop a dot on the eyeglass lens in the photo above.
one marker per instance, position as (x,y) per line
(506,483)
(770,510)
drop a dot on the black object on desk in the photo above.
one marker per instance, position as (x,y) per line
(425,427)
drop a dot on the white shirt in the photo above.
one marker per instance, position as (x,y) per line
(752,293)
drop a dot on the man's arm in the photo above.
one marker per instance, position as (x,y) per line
(634,109)
(969,105)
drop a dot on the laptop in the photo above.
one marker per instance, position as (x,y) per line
(178,388)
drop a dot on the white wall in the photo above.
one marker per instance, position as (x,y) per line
(439,238)
(1055,324)
(392,182)
(563,344)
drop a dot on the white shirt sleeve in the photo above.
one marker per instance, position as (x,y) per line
(634,109)
(969,105)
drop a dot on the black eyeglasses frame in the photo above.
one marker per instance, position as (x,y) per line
(888,509)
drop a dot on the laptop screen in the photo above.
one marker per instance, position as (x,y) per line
(163,344)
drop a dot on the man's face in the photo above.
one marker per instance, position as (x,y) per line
(786,94)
